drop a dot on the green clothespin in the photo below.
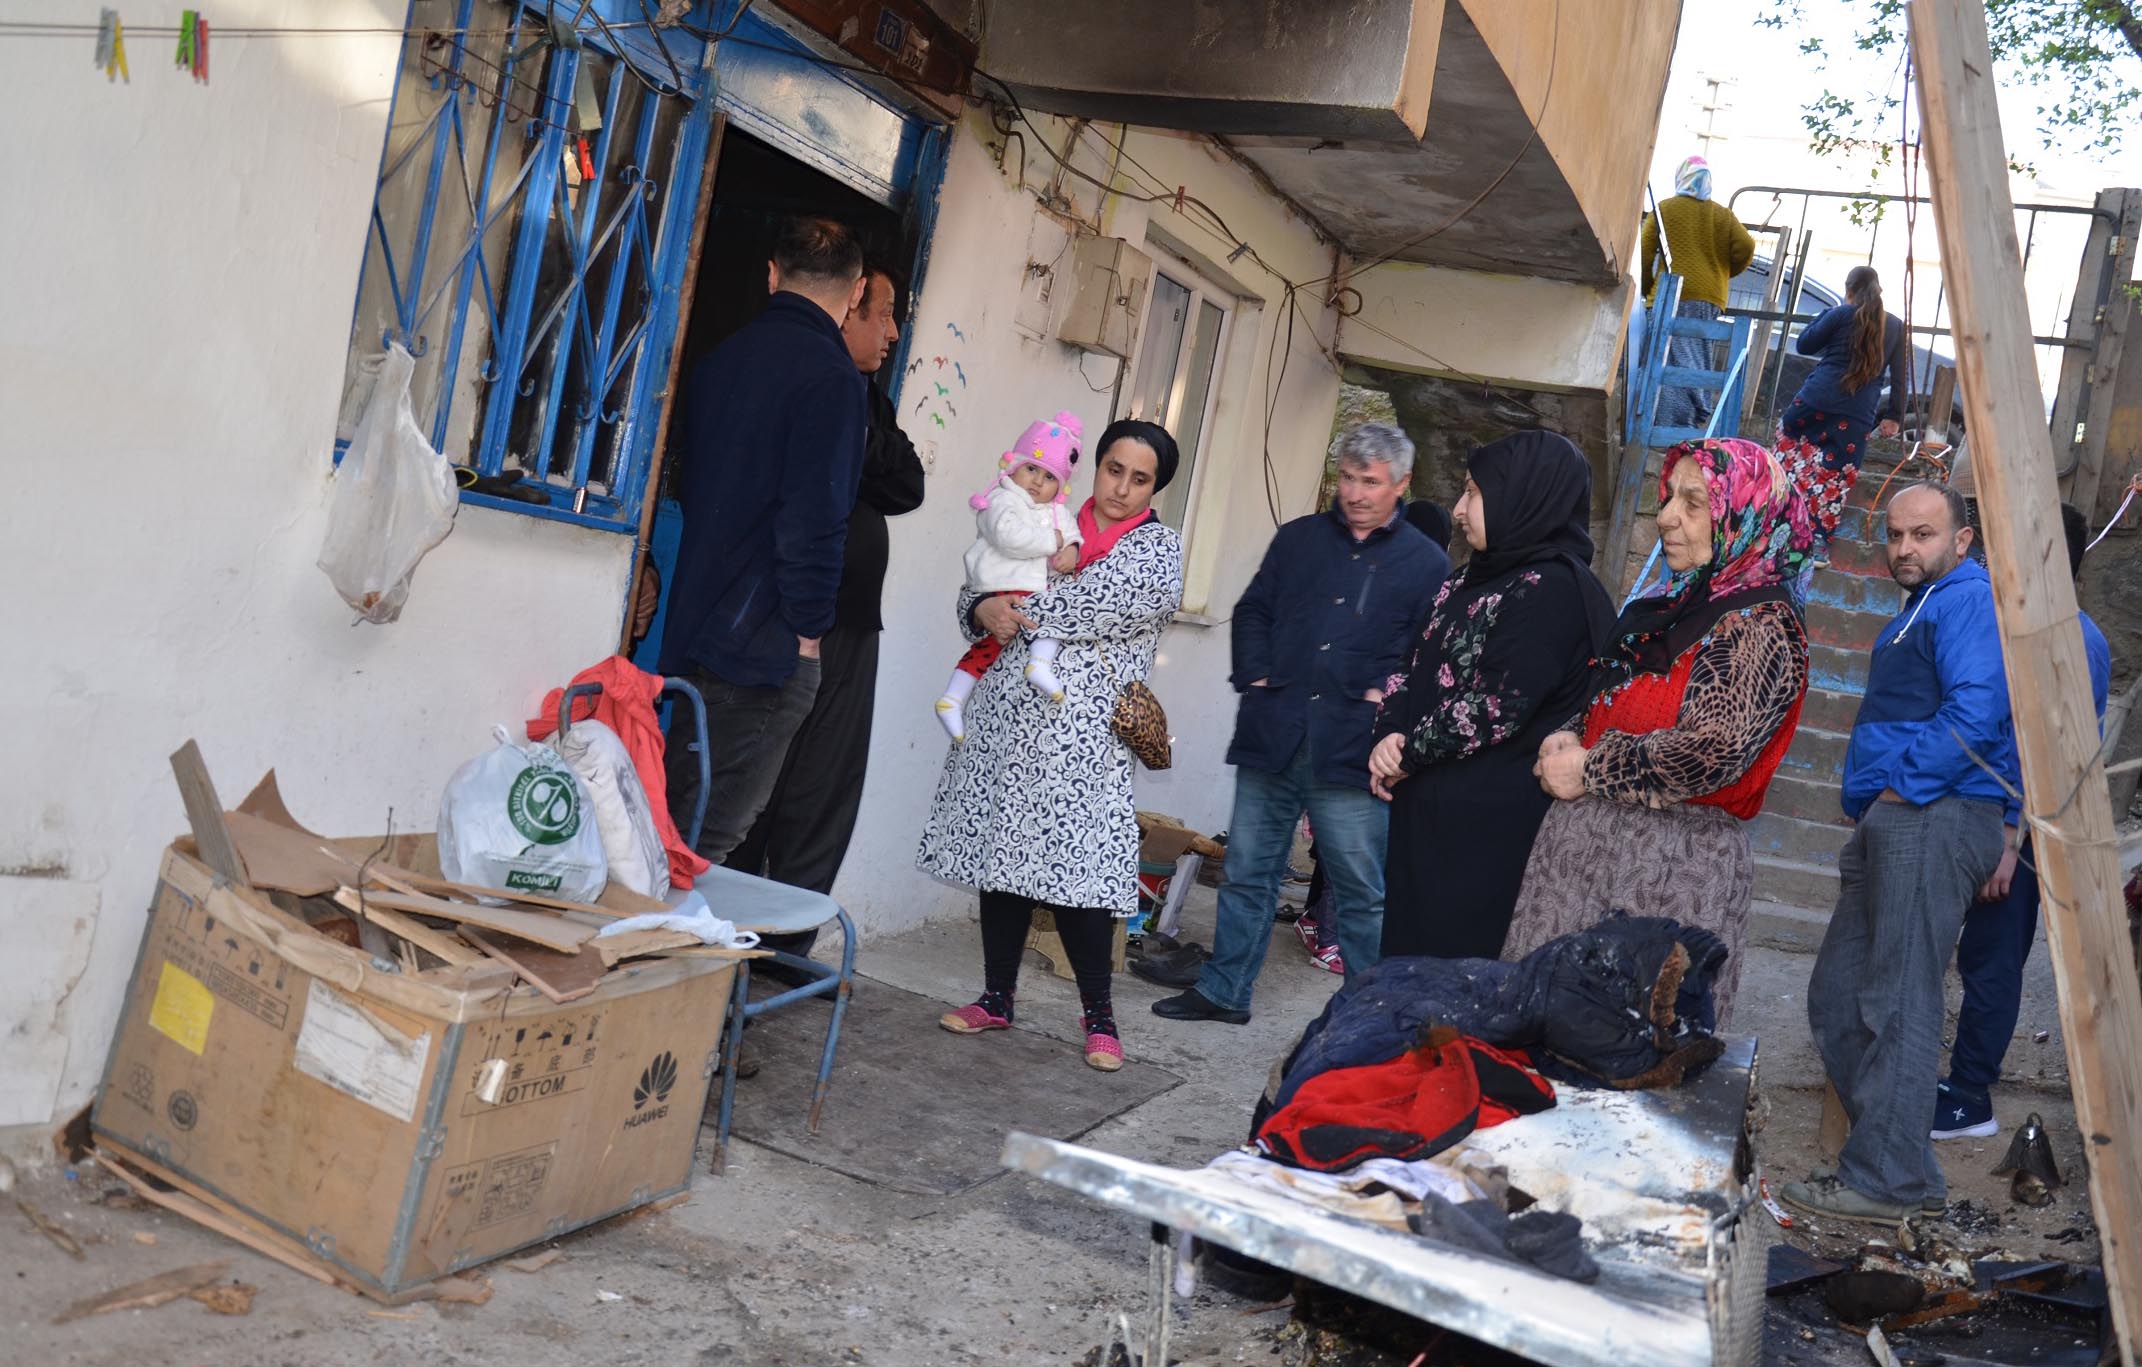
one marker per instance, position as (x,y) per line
(184,60)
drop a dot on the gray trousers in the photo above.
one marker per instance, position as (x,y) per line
(750,730)
(1905,879)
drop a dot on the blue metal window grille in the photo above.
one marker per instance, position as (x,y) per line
(530,261)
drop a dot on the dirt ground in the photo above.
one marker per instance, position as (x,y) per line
(784,1262)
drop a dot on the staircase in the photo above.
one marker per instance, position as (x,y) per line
(1797,836)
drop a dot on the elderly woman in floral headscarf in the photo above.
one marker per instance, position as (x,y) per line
(1695,703)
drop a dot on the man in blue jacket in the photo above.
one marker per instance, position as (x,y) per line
(1324,623)
(2001,925)
(1923,781)
(768,456)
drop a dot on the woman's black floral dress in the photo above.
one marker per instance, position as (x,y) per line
(1499,664)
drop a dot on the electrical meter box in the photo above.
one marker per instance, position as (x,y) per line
(1110,278)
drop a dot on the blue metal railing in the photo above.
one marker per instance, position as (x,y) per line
(1651,333)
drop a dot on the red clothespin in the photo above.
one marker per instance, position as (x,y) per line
(587,163)
(200,49)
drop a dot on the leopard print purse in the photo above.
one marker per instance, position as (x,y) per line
(1140,722)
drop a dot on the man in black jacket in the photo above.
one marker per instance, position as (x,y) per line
(769,456)
(803,834)
(1324,623)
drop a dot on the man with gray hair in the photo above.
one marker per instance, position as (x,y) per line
(1325,622)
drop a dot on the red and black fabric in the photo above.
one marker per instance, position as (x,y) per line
(1411,1107)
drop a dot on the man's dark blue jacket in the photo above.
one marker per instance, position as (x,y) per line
(768,457)
(1327,619)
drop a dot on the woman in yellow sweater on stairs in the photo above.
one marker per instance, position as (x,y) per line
(1706,246)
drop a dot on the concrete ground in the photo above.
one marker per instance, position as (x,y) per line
(782,1262)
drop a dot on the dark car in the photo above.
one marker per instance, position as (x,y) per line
(1747,291)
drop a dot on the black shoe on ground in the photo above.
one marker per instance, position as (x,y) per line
(1196,1006)
(1176,968)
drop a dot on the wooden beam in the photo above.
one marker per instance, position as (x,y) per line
(643,545)
(204,812)
(2056,726)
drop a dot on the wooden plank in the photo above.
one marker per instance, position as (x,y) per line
(201,1213)
(686,291)
(204,813)
(561,977)
(2106,357)
(2056,725)
(437,943)
(1940,404)
(440,886)
(141,1295)
(634,943)
(551,932)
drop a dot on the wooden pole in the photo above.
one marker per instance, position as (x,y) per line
(2056,728)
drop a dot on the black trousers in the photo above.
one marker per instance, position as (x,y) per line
(802,836)
(749,731)
(1088,934)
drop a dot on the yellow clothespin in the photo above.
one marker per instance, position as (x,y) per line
(111,47)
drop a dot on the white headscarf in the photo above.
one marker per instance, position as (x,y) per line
(1693,179)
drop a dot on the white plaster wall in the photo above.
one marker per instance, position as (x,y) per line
(1534,334)
(977,266)
(184,265)
(182,261)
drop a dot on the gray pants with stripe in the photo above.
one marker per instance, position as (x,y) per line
(1905,879)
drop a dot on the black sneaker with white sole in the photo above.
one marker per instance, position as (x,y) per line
(1962,1115)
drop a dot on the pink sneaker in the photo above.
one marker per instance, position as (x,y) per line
(973,1019)
(1104,1052)
(1327,958)
(1305,931)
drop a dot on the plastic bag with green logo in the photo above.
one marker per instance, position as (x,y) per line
(516,817)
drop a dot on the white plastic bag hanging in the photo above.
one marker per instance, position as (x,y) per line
(393,499)
(516,817)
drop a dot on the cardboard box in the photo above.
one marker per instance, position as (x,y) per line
(341,1112)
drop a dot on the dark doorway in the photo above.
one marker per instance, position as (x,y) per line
(755,187)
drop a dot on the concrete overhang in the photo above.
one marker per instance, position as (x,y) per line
(1325,97)
(1347,69)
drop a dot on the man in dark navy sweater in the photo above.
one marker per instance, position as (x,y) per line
(768,458)
(802,836)
(1324,623)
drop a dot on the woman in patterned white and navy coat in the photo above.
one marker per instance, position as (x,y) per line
(1035,807)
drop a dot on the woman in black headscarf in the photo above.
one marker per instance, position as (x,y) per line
(1503,660)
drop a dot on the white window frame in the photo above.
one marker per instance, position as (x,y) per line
(1171,263)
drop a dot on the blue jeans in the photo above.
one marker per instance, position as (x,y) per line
(1996,943)
(1351,828)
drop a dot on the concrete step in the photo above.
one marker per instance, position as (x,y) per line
(1867,525)
(1841,629)
(1777,925)
(1773,835)
(1804,799)
(1816,755)
(1796,883)
(1854,592)
(1828,709)
(1838,670)
(1864,558)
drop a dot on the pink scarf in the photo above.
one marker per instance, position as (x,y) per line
(1093,542)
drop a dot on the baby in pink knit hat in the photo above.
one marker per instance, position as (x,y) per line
(1026,527)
